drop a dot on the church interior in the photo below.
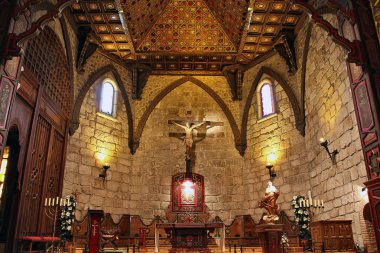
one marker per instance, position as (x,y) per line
(190,126)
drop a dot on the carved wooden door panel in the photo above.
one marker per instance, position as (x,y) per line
(51,185)
(45,87)
(34,176)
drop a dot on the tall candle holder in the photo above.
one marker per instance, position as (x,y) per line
(52,207)
(311,203)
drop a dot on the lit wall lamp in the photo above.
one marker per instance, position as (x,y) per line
(271,158)
(103,175)
(333,154)
(272,173)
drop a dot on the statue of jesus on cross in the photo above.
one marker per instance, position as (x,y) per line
(188,140)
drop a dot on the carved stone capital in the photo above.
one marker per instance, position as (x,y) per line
(241,147)
(74,125)
(234,75)
(133,145)
(284,45)
(87,45)
(140,75)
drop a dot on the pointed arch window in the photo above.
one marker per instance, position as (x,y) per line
(266,99)
(107,101)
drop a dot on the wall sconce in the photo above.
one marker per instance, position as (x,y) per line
(103,175)
(272,173)
(333,154)
(271,158)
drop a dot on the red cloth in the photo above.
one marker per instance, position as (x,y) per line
(41,238)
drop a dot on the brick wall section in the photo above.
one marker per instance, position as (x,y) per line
(330,114)
(369,239)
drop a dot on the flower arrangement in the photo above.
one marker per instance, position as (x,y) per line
(67,218)
(284,240)
(302,217)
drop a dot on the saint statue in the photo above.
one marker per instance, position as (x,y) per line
(188,140)
(269,203)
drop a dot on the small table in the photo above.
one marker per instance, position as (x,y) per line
(189,235)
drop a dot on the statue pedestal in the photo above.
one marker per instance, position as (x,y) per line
(270,237)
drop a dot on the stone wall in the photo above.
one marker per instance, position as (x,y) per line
(277,135)
(330,114)
(161,155)
(274,135)
(140,183)
(96,136)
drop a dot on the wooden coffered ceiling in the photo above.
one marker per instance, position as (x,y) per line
(187,35)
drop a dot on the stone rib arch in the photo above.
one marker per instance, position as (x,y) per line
(299,118)
(203,86)
(74,123)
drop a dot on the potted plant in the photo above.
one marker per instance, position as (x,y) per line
(302,219)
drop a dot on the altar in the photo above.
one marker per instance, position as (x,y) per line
(187,218)
(190,236)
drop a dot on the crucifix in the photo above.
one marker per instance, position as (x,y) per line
(189,125)
(95,228)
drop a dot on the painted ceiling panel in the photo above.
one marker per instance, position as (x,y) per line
(140,15)
(232,15)
(187,26)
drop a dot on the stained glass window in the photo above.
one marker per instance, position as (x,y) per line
(266,100)
(107,98)
(3,169)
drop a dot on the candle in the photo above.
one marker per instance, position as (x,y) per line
(319,203)
(49,202)
(302,203)
(57,201)
(322,203)
(315,202)
(45,201)
(307,203)
(61,203)
(310,199)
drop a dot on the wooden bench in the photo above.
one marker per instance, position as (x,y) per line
(38,240)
